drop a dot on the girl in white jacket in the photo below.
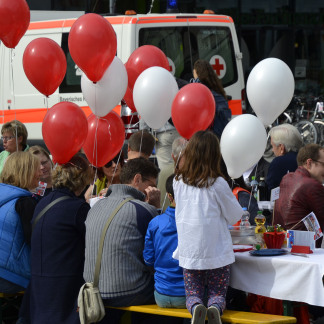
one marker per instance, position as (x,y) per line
(205,208)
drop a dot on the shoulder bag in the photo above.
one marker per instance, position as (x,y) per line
(91,308)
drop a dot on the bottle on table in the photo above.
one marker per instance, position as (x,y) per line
(259,230)
(262,190)
(254,187)
(245,219)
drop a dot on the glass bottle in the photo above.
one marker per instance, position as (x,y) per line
(245,219)
(262,190)
(259,230)
(254,187)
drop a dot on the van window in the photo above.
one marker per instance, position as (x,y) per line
(72,79)
(184,45)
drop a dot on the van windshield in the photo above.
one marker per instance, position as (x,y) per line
(184,45)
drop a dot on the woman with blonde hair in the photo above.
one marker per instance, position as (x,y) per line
(46,166)
(58,245)
(20,175)
(205,208)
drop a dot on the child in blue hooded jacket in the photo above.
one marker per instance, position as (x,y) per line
(160,241)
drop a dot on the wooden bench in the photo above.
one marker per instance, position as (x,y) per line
(229,316)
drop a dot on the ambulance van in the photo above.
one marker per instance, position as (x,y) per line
(182,37)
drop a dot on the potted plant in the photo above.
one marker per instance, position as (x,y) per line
(274,236)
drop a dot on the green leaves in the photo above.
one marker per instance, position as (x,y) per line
(275,228)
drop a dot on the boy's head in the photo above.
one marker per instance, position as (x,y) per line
(169,189)
(140,144)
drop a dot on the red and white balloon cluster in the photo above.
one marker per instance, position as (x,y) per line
(143,82)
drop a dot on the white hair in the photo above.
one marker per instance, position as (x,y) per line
(287,135)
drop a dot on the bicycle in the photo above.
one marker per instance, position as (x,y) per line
(296,115)
(319,122)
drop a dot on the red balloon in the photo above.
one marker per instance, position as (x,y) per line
(193,109)
(64,130)
(44,65)
(128,98)
(105,138)
(14,21)
(92,45)
(143,58)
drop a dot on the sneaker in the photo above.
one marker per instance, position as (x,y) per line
(199,314)
(213,315)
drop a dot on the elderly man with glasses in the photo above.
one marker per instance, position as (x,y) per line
(302,191)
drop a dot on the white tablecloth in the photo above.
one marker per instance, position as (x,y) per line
(285,277)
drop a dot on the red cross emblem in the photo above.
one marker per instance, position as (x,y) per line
(218,67)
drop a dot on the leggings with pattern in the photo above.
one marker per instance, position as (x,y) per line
(216,282)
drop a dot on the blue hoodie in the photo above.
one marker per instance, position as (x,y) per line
(14,252)
(160,241)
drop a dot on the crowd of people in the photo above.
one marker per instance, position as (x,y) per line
(173,249)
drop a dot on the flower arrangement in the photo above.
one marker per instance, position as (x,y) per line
(274,236)
(275,228)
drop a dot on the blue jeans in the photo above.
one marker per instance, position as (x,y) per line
(169,301)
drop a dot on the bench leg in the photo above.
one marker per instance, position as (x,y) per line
(287,308)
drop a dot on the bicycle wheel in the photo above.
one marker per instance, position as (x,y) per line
(320,127)
(308,131)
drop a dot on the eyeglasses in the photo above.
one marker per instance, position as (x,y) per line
(109,164)
(70,163)
(320,162)
(7,138)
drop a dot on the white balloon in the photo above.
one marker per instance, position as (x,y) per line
(104,95)
(153,93)
(270,88)
(243,143)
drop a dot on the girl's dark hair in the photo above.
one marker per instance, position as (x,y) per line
(208,77)
(202,158)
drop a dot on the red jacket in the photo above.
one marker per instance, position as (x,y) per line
(300,194)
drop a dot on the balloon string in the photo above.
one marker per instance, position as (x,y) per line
(112,178)
(46,102)
(95,151)
(92,194)
(140,148)
(12,55)
(251,193)
(175,167)
(120,152)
